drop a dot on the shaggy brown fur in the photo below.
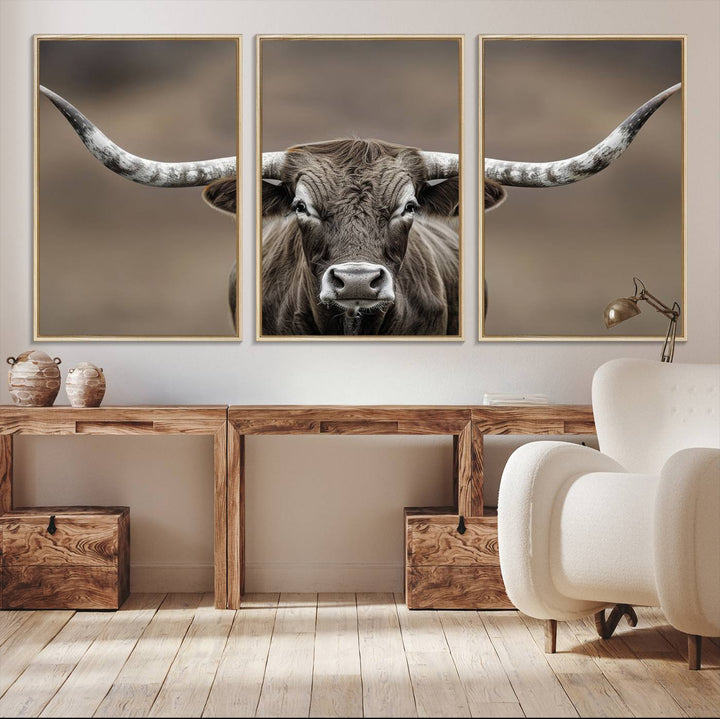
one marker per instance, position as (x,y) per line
(355,186)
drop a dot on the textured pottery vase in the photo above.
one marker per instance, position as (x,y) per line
(85,385)
(33,379)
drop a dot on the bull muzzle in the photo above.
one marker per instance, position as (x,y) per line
(355,286)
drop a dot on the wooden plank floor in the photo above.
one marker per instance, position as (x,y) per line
(340,655)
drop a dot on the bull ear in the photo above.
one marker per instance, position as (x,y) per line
(494,194)
(276,198)
(440,197)
(222,195)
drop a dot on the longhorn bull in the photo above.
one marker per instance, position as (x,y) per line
(374,295)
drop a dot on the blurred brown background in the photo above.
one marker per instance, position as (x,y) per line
(117,258)
(402,91)
(555,257)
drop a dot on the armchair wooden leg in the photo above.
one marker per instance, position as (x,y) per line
(606,627)
(694,651)
(550,636)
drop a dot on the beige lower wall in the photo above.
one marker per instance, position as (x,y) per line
(334,523)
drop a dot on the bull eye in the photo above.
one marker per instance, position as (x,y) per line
(300,207)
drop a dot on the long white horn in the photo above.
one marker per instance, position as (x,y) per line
(138,169)
(441,165)
(565,172)
(272,163)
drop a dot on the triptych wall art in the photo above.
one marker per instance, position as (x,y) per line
(360,224)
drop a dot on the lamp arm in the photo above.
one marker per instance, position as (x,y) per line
(641,293)
(668,350)
(655,303)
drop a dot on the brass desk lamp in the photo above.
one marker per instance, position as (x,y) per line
(623,308)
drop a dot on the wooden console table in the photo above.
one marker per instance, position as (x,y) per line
(294,419)
(208,420)
(229,425)
(467,425)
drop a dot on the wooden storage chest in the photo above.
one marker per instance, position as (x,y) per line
(64,557)
(450,569)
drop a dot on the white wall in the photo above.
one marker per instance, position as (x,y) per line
(323,512)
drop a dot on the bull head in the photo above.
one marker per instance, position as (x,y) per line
(354,204)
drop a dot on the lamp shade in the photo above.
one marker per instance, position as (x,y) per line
(619,310)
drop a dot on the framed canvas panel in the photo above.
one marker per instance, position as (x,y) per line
(578,201)
(136,156)
(359,185)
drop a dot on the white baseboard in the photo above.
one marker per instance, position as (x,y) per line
(272,577)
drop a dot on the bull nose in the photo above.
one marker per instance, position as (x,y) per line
(360,283)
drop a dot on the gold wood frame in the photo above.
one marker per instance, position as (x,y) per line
(460,39)
(482,337)
(237,336)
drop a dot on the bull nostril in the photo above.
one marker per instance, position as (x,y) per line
(377,281)
(337,283)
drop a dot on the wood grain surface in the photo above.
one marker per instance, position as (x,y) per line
(33,587)
(241,671)
(350,419)
(90,540)
(386,684)
(435,540)
(235,517)
(112,420)
(441,587)
(542,419)
(370,656)
(6,472)
(141,677)
(83,564)
(469,490)
(123,558)
(220,516)
(190,677)
(436,683)
(337,682)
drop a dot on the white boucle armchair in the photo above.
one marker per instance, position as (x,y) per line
(637,523)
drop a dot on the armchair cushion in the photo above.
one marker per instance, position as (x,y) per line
(687,541)
(535,475)
(602,538)
(646,411)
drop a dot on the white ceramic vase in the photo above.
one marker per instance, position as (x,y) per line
(85,385)
(33,379)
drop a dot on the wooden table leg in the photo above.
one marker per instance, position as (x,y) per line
(477,470)
(236,517)
(455,490)
(220,518)
(470,499)
(6,472)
